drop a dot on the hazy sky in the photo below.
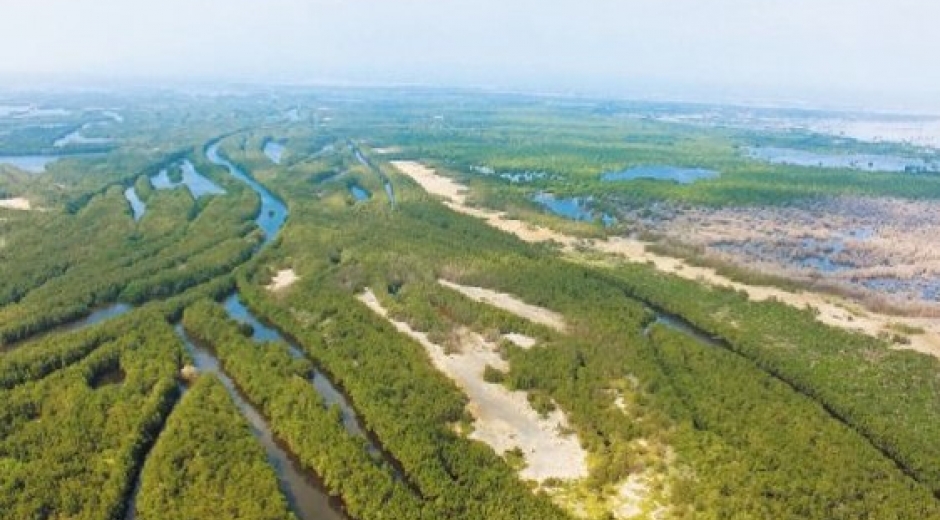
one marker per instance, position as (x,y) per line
(882,52)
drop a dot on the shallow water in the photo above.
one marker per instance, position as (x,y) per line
(661,172)
(30,163)
(138,207)
(292,115)
(512,177)
(274,150)
(927,288)
(359,193)
(867,162)
(681,325)
(328,391)
(76,138)
(273,212)
(197,184)
(389,190)
(101,314)
(574,208)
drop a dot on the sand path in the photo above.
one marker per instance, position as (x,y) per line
(18,203)
(833,310)
(504,419)
(510,303)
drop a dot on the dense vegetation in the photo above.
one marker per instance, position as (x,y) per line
(178,244)
(72,442)
(278,385)
(891,397)
(402,254)
(573,149)
(226,474)
(763,439)
(783,418)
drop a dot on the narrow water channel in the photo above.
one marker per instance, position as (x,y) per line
(138,207)
(331,395)
(131,512)
(680,325)
(389,190)
(304,495)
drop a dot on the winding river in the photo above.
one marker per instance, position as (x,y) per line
(273,212)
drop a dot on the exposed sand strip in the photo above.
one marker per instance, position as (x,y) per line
(832,310)
(510,303)
(504,420)
(18,203)
(282,280)
(520,340)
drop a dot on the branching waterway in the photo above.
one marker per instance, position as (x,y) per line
(305,496)
(331,395)
(389,190)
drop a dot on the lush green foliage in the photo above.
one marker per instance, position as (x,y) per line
(401,254)
(891,397)
(106,256)
(764,439)
(278,384)
(789,419)
(226,474)
(72,442)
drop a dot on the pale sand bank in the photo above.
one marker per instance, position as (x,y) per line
(504,419)
(510,303)
(520,340)
(282,280)
(18,203)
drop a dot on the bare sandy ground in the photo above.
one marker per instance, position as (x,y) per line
(510,303)
(18,203)
(504,420)
(833,310)
(520,340)
(387,150)
(631,496)
(282,280)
